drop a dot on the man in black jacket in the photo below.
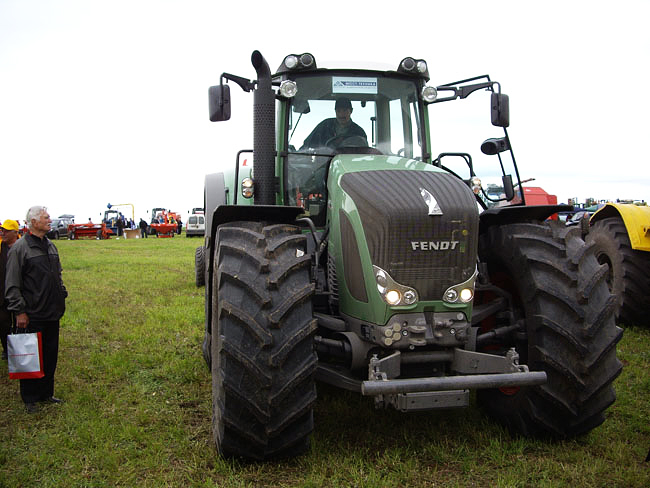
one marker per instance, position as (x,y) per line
(143,228)
(36,296)
(335,131)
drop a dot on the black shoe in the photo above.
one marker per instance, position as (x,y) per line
(53,399)
(32,407)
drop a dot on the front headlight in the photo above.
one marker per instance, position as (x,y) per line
(462,292)
(298,62)
(393,293)
(475,182)
(247,188)
(288,88)
(393,297)
(429,93)
(291,61)
(466,295)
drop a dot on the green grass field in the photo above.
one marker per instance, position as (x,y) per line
(138,404)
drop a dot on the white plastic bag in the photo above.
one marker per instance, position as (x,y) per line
(25,353)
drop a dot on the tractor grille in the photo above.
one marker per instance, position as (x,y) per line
(427,252)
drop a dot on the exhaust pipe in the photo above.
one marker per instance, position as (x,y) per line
(263,133)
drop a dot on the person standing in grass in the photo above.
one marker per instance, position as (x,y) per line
(143,228)
(35,294)
(9,235)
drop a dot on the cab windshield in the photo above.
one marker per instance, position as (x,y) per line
(343,113)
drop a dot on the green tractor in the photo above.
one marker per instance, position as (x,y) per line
(341,250)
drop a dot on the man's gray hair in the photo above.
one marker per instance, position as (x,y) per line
(34,213)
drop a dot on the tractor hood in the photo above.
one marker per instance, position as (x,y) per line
(414,221)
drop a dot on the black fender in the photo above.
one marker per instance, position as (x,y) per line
(214,194)
(223,214)
(518,214)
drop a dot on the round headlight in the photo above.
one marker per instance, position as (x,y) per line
(393,297)
(247,187)
(409,297)
(451,295)
(288,88)
(291,61)
(476,184)
(408,64)
(422,66)
(429,93)
(466,295)
(307,60)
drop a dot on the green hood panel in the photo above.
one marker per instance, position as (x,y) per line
(378,216)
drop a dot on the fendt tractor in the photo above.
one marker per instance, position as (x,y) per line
(348,253)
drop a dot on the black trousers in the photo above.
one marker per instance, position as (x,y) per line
(37,390)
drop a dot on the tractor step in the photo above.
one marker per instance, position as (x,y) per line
(429,400)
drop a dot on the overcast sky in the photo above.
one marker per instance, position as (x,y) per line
(106,101)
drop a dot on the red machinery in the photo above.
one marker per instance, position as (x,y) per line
(89,230)
(537,196)
(167,225)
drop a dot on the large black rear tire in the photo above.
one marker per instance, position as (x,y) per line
(560,293)
(629,270)
(263,361)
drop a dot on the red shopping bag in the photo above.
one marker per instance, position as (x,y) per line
(25,355)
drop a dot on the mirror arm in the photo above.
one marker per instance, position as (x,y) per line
(245,84)
(464,91)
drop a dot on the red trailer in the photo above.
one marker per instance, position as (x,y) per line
(89,230)
(165,230)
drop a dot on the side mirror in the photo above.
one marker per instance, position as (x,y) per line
(494,146)
(500,110)
(508,189)
(219,101)
(301,107)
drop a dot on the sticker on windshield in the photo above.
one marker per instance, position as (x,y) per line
(354,85)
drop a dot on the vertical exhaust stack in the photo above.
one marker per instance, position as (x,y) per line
(263,133)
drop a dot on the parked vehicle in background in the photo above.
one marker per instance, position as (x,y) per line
(59,227)
(111,217)
(195,225)
(577,217)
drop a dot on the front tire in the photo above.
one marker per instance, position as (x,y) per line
(560,294)
(629,270)
(263,361)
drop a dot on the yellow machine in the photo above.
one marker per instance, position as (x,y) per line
(621,234)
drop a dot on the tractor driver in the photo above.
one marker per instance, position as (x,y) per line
(333,131)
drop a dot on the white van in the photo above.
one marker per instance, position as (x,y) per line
(195,225)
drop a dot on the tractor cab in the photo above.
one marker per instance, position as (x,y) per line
(321,112)
(365,114)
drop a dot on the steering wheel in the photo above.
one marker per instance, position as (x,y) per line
(353,141)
